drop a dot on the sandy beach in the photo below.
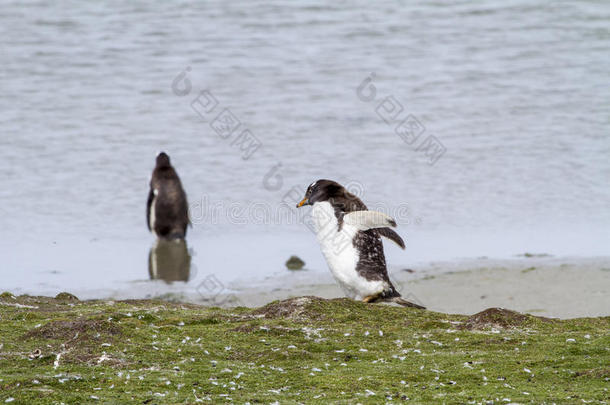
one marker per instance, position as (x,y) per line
(544,286)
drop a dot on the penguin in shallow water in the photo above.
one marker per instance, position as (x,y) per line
(167,207)
(350,238)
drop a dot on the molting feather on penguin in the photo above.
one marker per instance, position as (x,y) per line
(350,238)
(167,206)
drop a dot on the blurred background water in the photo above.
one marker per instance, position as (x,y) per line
(517,94)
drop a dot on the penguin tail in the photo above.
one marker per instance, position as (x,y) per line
(401,301)
(392,295)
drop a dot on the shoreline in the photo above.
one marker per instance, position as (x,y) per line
(542,286)
(546,286)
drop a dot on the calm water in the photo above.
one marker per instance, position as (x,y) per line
(517,94)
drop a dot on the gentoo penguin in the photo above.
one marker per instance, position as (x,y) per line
(167,208)
(350,238)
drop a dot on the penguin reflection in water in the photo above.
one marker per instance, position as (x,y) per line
(167,217)
(169,260)
(350,237)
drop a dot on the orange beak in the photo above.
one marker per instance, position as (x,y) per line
(303,202)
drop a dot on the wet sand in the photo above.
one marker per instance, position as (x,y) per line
(544,286)
(551,287)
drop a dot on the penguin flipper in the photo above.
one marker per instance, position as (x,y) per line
(391,235)
(365,220)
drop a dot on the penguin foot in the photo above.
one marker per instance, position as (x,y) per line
(370,298)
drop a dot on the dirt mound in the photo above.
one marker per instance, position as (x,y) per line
(66,330)
(495,318)
(595,372)
(66,296)
(292,308)
(244,328)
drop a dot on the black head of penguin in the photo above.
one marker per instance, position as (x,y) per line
(333,192)
(164,170)
(162,160)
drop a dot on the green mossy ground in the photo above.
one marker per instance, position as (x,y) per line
(303,350)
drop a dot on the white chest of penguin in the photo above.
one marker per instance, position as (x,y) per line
(340,253)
